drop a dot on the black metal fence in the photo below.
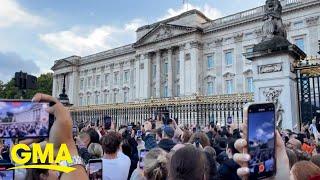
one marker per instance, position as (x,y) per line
(308,84)
(188,110)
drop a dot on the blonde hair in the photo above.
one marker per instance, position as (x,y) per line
(155,165)
(95,149)
(303,170)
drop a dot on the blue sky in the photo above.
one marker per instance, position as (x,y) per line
(260,126)
(34,33)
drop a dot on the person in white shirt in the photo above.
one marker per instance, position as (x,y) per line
(116,165)
(313,129)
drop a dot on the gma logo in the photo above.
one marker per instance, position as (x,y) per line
(38,156)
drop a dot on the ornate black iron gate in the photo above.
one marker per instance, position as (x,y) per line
(308,86)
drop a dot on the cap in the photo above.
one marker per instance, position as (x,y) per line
(169,131)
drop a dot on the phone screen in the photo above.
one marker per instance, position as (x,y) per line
(261,138)
(23,119)
(6,174)
(74,131)
(143,153)
(139,133)
(229,120)
(107,122)
(95,170)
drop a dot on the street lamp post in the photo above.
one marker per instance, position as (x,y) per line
(63,97)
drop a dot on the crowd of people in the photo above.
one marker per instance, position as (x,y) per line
(158,149)
(12,130)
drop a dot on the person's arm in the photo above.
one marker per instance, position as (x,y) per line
(61,133)
(178,130)
(149,139)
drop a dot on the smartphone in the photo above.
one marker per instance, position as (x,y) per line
(95,169)
(261,140)
(24,119)
(229,120)
(139,133)
(142,155)
(6,174)
(74,131)
(107,122)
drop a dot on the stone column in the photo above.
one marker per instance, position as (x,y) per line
(158,74)
(238,65)
(73,86)
(147,76)
(218,60)
(195,72)
(182,72)
(170,73)
(54,85)
(137,76)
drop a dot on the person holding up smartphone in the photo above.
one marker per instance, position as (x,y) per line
(258,118)
(61,133)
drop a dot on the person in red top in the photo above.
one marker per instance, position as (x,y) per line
(308,146)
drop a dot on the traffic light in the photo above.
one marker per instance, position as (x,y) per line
(24,81)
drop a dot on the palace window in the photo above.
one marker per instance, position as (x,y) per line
(300,43)
(88,100)
(178,67)
(97,81)
(250,87)
(210,88)
(154,71)
(178,90)
(106,98)
(165,68)
(80,101)
(126,76)
(165,90)
(106,79)
(154,92)
(228,58)
(81,84)
(125,97)
(229,86)
(89,82)
(210,62)
(115,81)
(97,99)
(115,97)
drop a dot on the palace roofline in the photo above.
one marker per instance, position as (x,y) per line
(193,11)
(207,27)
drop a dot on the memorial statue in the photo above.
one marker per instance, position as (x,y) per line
(273,25)
(274,35)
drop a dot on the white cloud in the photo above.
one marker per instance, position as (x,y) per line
(134,24)
(259,133)
(11,13)
(207,10)
(80,42)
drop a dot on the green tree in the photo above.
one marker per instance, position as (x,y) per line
(2,86)
(10,91)
(44,85)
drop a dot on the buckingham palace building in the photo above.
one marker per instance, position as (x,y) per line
(185,55)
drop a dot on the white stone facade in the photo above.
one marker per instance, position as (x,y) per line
(181,56)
